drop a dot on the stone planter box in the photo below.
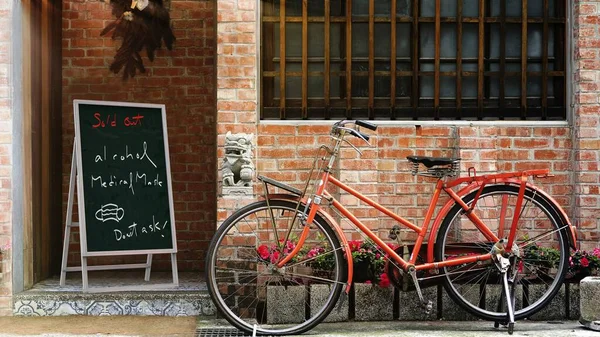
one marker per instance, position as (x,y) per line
(556,310)
(373,303)
(453,312)
(590,302)
(285,304)
(409,305)
(494,294)
(318,295)
(574,300)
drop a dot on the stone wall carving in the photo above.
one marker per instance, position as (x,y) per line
(238,167)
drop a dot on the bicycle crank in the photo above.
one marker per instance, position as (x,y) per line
(425,304)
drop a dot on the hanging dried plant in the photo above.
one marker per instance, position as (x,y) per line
(141,24)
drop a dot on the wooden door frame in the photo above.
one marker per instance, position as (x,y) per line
(40,144)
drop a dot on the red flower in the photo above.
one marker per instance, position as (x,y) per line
(263,252)
(384,280)
(354,245)
(275,257)
(584,262)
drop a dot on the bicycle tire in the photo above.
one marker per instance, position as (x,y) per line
(539,276)
(246,287)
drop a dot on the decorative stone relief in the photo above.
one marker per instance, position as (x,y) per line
(238,168)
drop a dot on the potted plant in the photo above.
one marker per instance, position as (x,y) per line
(583,264)
(369,263)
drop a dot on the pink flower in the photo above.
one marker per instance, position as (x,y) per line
(275,257)
(596,252)
(263,252)
(312,253)
(290,245)
(368,282)
(392,246)
(384,280)
(584,262)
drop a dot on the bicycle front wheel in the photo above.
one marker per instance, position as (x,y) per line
(539,260)
(248,288)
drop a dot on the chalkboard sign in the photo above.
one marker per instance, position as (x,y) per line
(124,179)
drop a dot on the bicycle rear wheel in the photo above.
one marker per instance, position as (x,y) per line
(248,288)
(540,259)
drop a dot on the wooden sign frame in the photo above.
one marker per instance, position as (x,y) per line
(77,179)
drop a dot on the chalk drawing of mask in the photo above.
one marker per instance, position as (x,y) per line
(110,212)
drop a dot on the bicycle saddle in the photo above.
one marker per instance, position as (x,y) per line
(431,161)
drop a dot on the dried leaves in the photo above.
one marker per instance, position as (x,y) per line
(139,30)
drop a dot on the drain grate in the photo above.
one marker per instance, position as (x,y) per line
(220,332)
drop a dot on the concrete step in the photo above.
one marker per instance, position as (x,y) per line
(48,298)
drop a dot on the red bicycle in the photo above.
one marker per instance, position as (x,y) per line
(500,245)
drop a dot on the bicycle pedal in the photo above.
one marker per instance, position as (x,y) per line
(428,307)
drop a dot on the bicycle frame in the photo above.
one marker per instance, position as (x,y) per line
(473,182)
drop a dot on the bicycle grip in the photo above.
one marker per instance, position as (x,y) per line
(367,125)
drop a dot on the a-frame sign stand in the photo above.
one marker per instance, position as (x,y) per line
(84,268)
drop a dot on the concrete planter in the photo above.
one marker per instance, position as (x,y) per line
(494,294)
(453,312)
(590,302)
(556,310)
(574,299)
(285,304)
(373,303)
(318,296)
(409,305)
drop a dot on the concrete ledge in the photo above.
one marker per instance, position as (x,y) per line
(589,302)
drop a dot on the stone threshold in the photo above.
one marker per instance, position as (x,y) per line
(48,298)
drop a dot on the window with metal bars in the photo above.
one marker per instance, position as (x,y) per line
(413,59)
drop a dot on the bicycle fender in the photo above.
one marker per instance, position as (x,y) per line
(572,234)
(332,223)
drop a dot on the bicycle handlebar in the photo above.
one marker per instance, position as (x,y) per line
(367,125)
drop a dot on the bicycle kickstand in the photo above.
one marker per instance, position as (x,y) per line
(508,292)
(510,300)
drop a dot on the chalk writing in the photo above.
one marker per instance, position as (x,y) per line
(111,120)
(130,181)
(132,231)
(126,155)
(110,212)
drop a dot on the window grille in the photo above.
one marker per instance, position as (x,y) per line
(413,59)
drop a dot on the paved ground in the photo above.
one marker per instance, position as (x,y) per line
(117,326)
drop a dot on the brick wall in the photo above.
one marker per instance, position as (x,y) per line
(284,149)
(586,144)
(183,80)
(5,154)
